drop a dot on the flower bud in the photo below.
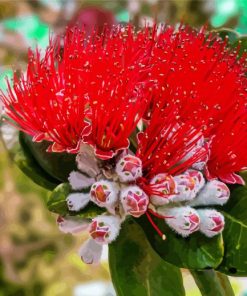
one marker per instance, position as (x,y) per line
(77,201)
(70,224)
(212,222)
(185,188)
(214,193)
(184,220)
(90,252)
(134,201)
(129,168)
(104,229)
(198,179)
(79,181)
(104,194)
(163,187)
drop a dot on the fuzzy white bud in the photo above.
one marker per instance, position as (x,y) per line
(90,252)
(77,201)
(185,188)
(184,220)
(134,201)
(79,181)
(212,222)
(214,193)
(129,168)
(105,229)
(105,194)
(164,188)
(70,224)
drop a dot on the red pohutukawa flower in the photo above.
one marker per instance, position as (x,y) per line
(94,84)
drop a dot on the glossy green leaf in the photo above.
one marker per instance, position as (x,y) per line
(29,166)
(235,234)
(137,270)
(57,203)
(58,165)
(194,252)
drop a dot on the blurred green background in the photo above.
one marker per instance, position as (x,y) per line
(35,258)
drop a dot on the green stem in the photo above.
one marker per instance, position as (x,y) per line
(212,283)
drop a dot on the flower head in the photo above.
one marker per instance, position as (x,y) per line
(95,91)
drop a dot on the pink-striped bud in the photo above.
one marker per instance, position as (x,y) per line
(104,229)
(185,188)
(104,194)
(214,193)
(212,222)
(134,201)
(163,188)
(70,224)
(184,220)
(90,252)
(129,168)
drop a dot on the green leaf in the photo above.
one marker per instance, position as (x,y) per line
(235,234)
(57,203)
(29,166)
(58,165)
(224,33)
(137,270)
(194,252)
(212,283)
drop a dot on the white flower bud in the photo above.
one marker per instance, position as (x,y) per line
(214,193)
(164,188)
(134,201)
(90,252)
(105,194)
(79,181)
(129,168)
(184,220)
(212,222)
(185,188)
(77,201)
(198,179)
(105,229)
(70,224)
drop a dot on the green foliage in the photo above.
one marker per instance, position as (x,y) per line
(194,252)
(137,270)
(235,234)
(24,159)
(57,203)
(57,165)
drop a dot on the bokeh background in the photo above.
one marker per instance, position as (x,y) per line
(35,258)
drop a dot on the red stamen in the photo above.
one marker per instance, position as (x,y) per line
(161,234)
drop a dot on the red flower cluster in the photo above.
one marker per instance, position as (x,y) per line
(186,86)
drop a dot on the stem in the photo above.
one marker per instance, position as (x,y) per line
(212,283)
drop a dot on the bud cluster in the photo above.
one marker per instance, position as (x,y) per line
(122,190)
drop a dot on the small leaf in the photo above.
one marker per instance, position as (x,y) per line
(29,166)
(235,234)
(194,252)
(58,165)
(137,270)
(57,204)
